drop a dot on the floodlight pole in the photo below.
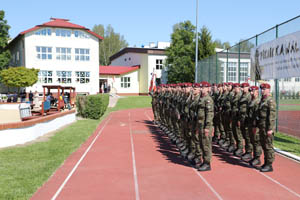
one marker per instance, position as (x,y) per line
(196,57)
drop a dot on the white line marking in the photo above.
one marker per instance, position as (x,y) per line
(208,185)
(136,185)
(283,186)
(79,161)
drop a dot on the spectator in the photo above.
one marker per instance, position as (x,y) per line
(15,97)
(30,97)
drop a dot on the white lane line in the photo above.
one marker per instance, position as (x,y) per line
(281,185)
(203,179)
(79,161)
(208,185)
(136,185)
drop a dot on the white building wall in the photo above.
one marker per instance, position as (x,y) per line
(91,43)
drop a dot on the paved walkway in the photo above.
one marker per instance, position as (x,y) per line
(129,158)
(113,99)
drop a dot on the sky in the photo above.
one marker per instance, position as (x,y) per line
(141,22)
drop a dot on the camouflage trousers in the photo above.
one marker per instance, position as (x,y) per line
(255,141)
(267,145)
(237,133)
(206,145)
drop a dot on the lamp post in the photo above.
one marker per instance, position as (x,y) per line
(196,37)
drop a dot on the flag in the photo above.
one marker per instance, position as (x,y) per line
(152,87)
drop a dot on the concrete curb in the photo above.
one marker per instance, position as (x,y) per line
(287,154)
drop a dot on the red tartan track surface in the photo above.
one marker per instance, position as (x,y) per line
(129,158)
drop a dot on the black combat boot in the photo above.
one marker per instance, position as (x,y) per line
(255,162)
(266,168)
(238,152)
(204,167)
(225,145)
(221,141)
(231,148)
(191,157)
(246,157)
(184,153)
(198,163)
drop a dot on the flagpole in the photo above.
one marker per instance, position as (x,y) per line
(196,38)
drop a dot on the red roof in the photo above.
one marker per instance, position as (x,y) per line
(117,70)
(62,23)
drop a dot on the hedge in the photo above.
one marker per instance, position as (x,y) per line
(92,106)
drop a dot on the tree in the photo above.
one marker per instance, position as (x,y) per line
(222,45)
(111,44)
(4,37)
(19,76)
(245,46)
(181,53)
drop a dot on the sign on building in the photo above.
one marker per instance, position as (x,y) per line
(277,59)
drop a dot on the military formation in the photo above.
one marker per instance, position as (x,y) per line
(237,117)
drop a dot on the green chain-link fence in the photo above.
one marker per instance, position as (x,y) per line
(234,65)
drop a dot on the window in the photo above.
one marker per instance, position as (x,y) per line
(80,34)
(222,72)
(45,32)
(63,53)
(45,76)
(287,79)
(244,71)
(82,54)
(82,77)
(63,32)
(159,63)
(297,79)
(232,71)
(125,82)
(64,76)
(44,53)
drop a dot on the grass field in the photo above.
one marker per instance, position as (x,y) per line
(24,169)
(287,143)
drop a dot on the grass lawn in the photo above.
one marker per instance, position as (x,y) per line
(289,101)
(287,143)
(24,169)
(132,102)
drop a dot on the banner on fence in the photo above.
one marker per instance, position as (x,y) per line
(277,59)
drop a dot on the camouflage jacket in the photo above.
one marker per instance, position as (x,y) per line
(235,105)
(267,113)
(244,103)
(253,111)
(205,112)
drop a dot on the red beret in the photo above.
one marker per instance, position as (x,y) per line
(229,83)
(265,86)
(205,84)
(245,85)
(235,85)
(225,84)
(220,85)
(252,88)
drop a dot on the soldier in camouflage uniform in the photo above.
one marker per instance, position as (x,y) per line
(217,119)
(195,151)
(205,115)
(189,96)
(235,128)
(222,106)
(252,126)
(266,125)
(244,103)
(229,143)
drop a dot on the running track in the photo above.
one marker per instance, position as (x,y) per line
(128,158)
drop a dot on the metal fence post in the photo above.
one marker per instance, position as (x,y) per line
(217,67)
(226,67)
(239,64)
(277,91)
(256,43)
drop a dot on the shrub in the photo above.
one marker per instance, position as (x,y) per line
(92,106)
